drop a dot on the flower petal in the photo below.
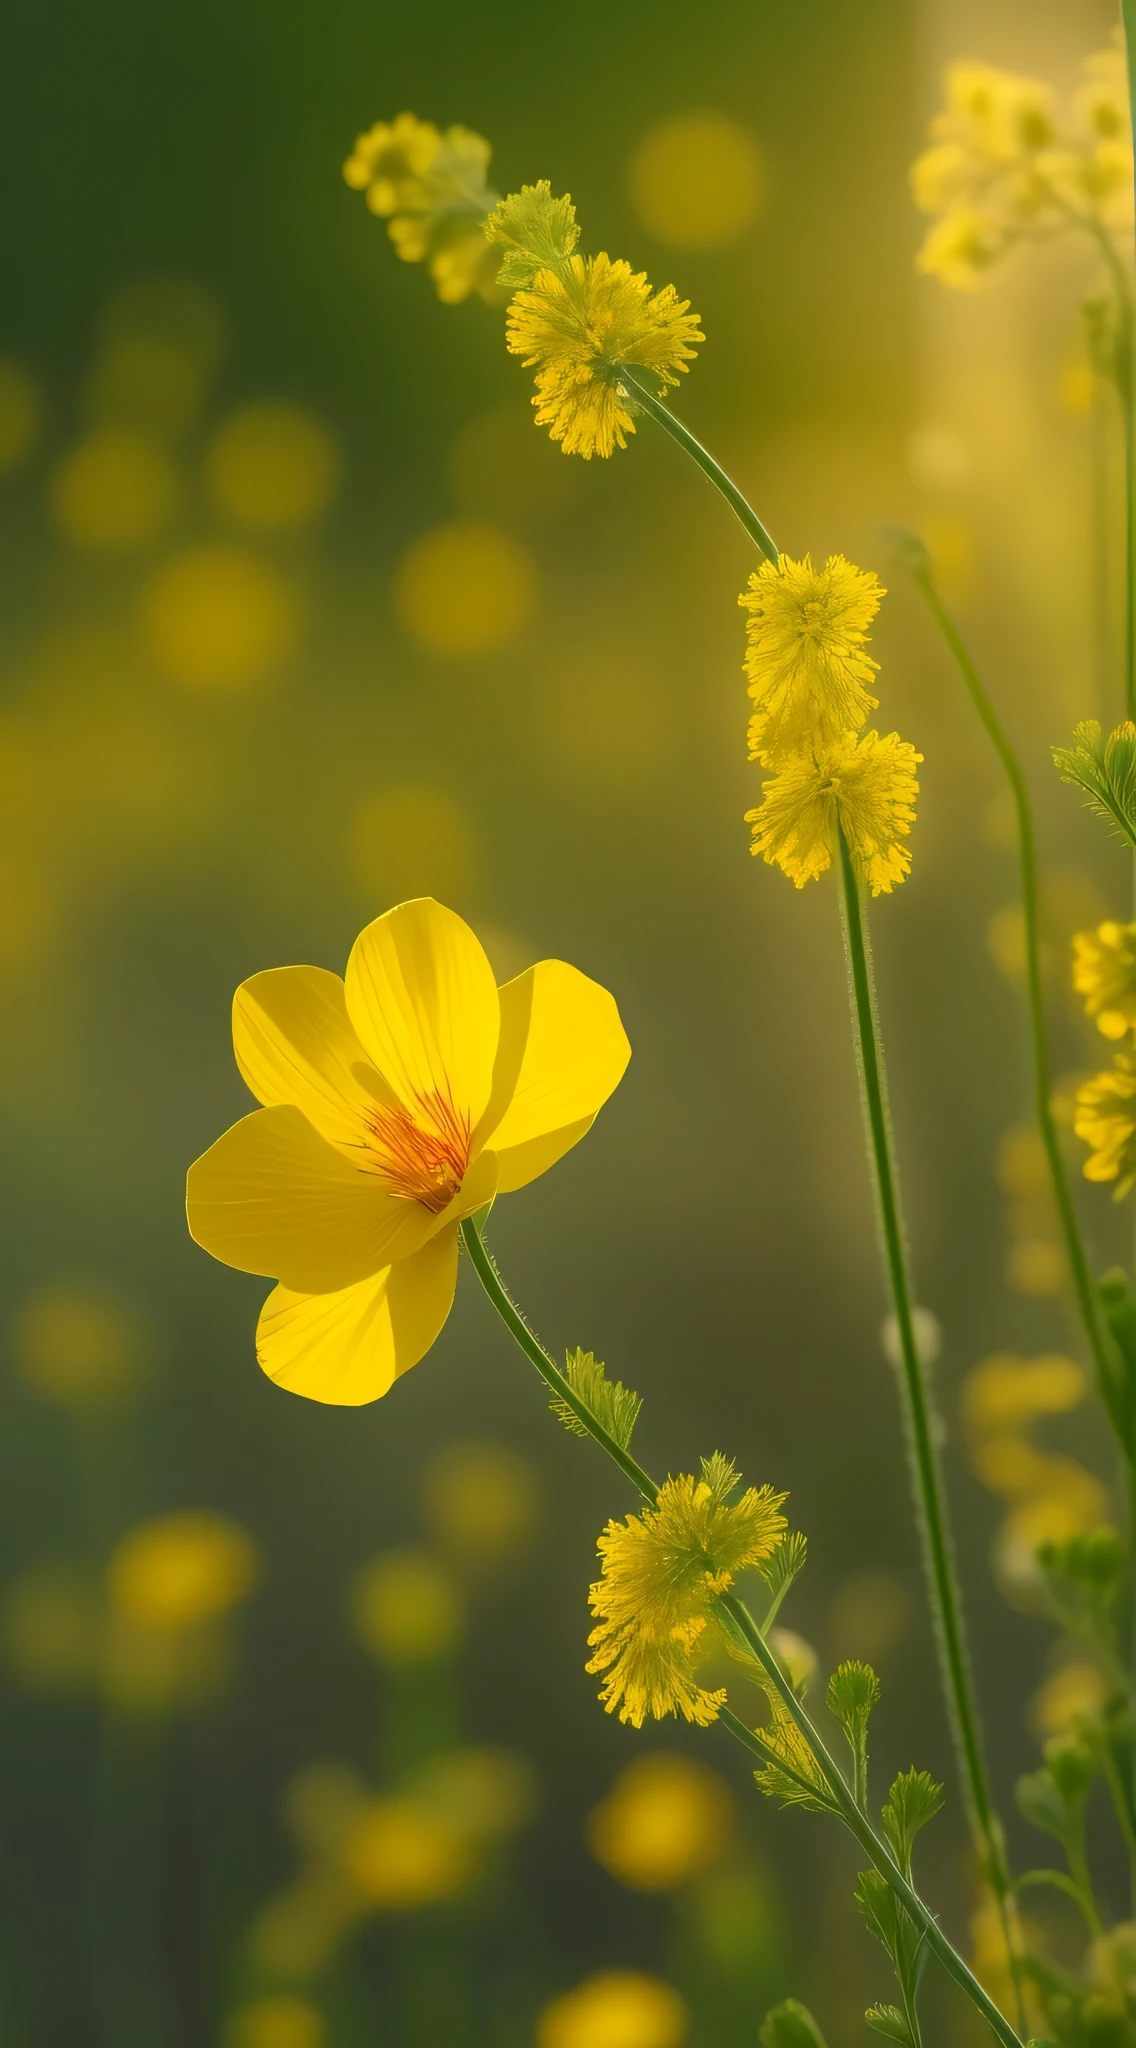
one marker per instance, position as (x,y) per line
(272,1196)
(422,998)
(295,1043)
(350,1346)
(562,1052)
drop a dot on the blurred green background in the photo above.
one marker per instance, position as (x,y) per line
(299,616)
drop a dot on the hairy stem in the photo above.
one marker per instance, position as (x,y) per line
(741,1624)
(639,394)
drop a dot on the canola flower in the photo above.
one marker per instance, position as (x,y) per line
(661,1570)
(864,788)
(1105,1119)
(1004,168)
(805,657)
(431,187)
(1104,973)
(397,1103)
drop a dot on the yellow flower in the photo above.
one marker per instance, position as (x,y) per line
(406,1609)
(432,190)
(805,654)
(181,1571)
(1104,972)
(1106,1119)
(616,2009)
(401,1855)
(661,1569)
(865,787)
(960,248)
(396,1104)
(578,329)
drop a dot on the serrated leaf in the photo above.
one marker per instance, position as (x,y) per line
(538,232)
(792,1774)
(721,1475)
(887,2019)
(914,1799)
(1105,770)
(780,1568)
(614,1406)
(852,1692)
(880,1908)
(790,2025)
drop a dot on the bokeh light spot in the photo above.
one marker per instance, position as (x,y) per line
(697,180)
(181,1570)
(272,466)
(666,1818)
(464,590)
(403,1856)
(53,1628)
(412,840)
(617,2009)
(405,1609)
(279,2022)
(481,1501)
(114,491)
(148,384)
(75,1345)
(21,413)
(217,618)
(501,469)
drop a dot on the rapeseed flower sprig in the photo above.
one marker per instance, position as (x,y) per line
(1104,973)
(1005,168)
(862,788)
(1105,1120)
(661,1570)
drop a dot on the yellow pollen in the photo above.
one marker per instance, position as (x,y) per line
(422,1159)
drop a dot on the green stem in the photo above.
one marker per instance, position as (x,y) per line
(664,418)
(741,1623)
(928,1491)
(1087,1304)
(1122,368)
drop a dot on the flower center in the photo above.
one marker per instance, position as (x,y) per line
(814,619)
(423,1158)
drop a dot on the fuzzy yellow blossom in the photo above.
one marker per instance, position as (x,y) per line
(865,788)
(661,1569)
(665,1819)
(1003,167)
(396,1104)
(1105,1119)
(1104,972)
(808,672)
(432,189)
(579,326)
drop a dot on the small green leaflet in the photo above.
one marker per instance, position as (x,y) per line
(614,1407)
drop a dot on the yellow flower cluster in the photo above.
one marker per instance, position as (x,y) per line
(661,1570)
(1002,169)
(809,678)
(1048,1498)
(432,190)
(1104,973)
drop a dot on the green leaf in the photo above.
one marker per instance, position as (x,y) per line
(721,1476)
(792,1774)
(537,231)
(780,1568)
(914,1799)
(887,2019)
(881,1909)
(1040,1802)
(790,2025)
(852,1692)
(614,1407)
(1105,770)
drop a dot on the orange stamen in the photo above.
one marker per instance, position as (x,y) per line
(424,1158)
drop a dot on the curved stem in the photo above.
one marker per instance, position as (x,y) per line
(663,417)
(741,1622)
(1096,1336)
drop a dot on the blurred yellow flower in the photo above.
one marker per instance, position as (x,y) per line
(864,787)
(277,2022)
(21,413)
(805,654)
(661,1569)
(1004,1391)
(482,1501)
(616,2009)
(76,1345)
(403,1855)
(53,1627)
(697,180)
(1105,1120)
(1000,170)
(1076,1691)
(395,1105)
(272,465)
(298,1931)
(1104,972)
(487,1793)
(432,189)
(182,1570)
(153,386)
(1077,1503)
(665,1819)
(216,618)
(114,491)
(464,590)
(412,839)
(406,1609)
(578,328)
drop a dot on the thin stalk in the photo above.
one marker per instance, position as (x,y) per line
(1122,368)
(741,1624)
(1088,1306)
(664,418)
